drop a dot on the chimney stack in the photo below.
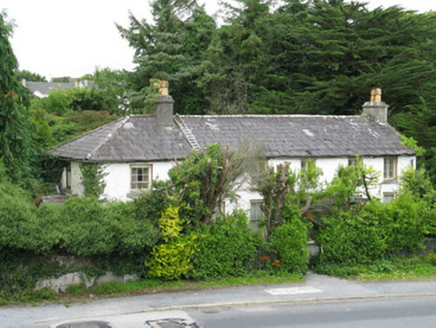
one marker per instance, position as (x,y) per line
(164,105)
(376,108)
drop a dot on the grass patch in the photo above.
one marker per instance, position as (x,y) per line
(154,285)
(150,286)
(397,268)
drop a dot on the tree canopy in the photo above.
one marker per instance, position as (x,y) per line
(300,57)
(16,128)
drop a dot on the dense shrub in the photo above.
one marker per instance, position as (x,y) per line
(172,258)
(378,231)
(17,219)
(288,245)
(354,238)
(226,247)
(81,227)
(90,228)
(404,223)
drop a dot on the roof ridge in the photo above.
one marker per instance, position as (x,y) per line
(269,116)
(111,133)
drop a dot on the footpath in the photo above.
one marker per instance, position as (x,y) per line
(316,288)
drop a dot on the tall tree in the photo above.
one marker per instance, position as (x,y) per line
(346,49)
(236,65)
(16,128)
(170,49)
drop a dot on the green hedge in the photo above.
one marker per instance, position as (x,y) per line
(377,231)
(80,227)
(226,247)
(288,247)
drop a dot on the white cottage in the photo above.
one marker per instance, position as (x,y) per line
(137,149)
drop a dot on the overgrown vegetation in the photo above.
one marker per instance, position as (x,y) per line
(314,57)
(154,239)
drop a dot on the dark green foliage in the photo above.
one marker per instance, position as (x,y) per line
(375,232)
(16,128)
(418,121)
(358,238)
(29,76)
(238,63)
(61,102)
(286,193)
(151,205)
(227,247)
(207,177)
(90,228)
(110,234)
(172,49)
(17,213)
(19,272)
(63,79)
(404,224)
(288,247)
(113,87)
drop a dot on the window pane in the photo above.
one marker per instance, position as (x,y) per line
(388,197)
(140,178)
(256,211)
(389,167)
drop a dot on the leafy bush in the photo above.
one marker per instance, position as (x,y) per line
(90,228)
(431,258)
(378,231)
(172,258)
(288,243)
(151,205)
(405,225)
(17,219)
(226,247)
(358,238)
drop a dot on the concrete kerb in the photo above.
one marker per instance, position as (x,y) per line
(256,302)
(284,301)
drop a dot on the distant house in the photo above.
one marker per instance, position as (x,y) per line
(42,89)
(137,149)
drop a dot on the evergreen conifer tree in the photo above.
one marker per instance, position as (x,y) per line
(16,128)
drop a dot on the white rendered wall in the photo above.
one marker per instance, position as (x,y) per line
(117,178)
(328,167)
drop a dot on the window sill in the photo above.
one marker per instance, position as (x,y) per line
(388,181)
(137,193)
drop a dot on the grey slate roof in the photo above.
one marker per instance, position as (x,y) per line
(45,87)
(131,138)
(141,138)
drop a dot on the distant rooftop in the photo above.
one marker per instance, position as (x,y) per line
(42,89)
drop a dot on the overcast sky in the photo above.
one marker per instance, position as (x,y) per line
(57,38)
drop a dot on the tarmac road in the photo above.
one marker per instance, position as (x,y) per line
(210,308)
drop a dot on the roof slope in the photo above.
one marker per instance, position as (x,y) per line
(141,138)
(131,138)
(300,135)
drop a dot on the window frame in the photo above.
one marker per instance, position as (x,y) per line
(150,177)
(389,194)
(353,161)
(390,173)
(253,202)
(68,176)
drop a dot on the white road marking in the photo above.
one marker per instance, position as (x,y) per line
(293,291)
